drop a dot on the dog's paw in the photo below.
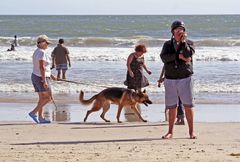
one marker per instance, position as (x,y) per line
(145,121)
(119,121)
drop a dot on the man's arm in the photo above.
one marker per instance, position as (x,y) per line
(68,59)
(42,71)
(53,59)
(166,56)
(129,60)
(188,49)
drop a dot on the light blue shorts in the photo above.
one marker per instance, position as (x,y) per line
(62,67)
(182,88)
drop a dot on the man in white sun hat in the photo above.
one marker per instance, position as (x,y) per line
(40,78)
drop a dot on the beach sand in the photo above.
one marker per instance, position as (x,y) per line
(112,142)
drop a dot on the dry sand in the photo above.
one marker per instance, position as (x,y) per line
(112,142)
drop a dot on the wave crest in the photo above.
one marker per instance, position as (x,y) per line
(121,41)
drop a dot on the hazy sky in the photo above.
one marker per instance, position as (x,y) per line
(118,7)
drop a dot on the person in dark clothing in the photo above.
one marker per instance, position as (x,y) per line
(177,55)
(135,77)
(180,113)
(12,48)
(135,64)
(15,43)
(61,59)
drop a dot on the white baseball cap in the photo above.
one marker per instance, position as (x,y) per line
(43,38)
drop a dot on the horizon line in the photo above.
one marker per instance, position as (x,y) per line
(118,14)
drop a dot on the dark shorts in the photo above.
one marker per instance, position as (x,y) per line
(38,84)
(61,67)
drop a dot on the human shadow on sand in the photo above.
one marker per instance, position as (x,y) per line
(15,124)
(93,141)
(113,125)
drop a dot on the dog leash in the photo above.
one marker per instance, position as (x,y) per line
(54,103)
(70,81)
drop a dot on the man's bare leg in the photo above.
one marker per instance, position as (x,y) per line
(189,117)
(171,120)
(59,74)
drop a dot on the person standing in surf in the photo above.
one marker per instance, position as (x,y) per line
(60,58)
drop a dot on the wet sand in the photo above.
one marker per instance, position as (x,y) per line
(66,112)
(67,138)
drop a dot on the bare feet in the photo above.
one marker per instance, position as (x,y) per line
(167,136)
(193,136)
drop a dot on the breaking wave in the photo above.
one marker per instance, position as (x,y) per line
(122,41)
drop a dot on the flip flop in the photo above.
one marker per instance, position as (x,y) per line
(34,117)
(44,121)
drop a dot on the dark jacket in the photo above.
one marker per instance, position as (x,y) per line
(176,68)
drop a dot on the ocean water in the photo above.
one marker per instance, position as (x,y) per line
(99,47)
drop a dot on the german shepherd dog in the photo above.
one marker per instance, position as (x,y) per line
(119,96)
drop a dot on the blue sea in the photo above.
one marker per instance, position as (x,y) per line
(99,47)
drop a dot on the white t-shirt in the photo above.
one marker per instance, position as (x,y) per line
(40,54)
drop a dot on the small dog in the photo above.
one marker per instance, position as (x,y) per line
(119,96)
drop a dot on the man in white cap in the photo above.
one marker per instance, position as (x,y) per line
(40,78)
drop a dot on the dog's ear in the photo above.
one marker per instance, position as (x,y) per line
(144,91)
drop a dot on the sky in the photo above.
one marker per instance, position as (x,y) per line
(119,7)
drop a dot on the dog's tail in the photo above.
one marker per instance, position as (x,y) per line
(86,102)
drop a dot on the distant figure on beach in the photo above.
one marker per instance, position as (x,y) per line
(61,59)
(177,55)
(135,77)
(180,112)
(135,65)
(15,43)
(12,48)
(40,78)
